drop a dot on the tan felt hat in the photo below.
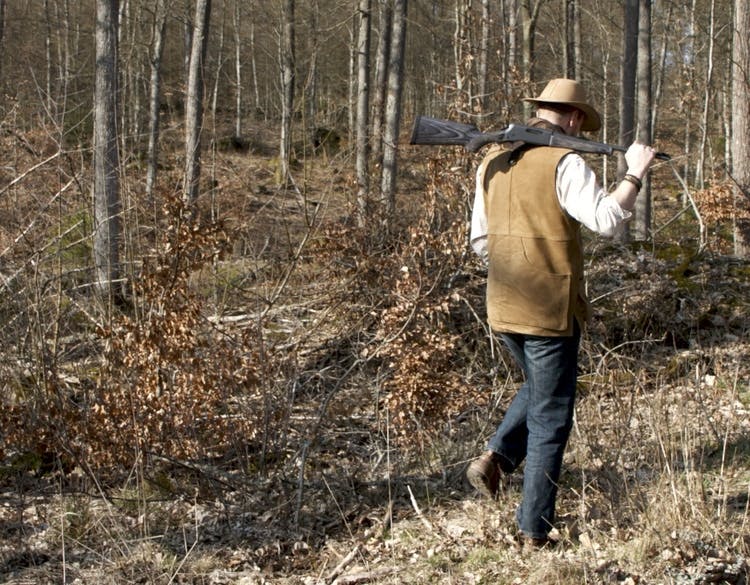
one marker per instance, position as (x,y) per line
(569,92)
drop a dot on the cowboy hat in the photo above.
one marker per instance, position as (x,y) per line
(569,92)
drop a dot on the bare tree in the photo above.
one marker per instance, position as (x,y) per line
(287,88)
(642,225)
(381,78)
(484,51)
(707,92)
(628,75)
(107,205)
(363,109)
(740,167)
(393,110)
(237,69)
(157,53)
(194,102)
(530,16)
(2,33)
(569,46)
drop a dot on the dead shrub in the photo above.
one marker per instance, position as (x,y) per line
(171,380)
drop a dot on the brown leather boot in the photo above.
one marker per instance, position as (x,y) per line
(484,474)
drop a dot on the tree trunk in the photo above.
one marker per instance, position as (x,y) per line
(237,22)
(2,35)
(661,69)
(393,111)
(381,79)
(194,102)
(741,126)
(628,73)
(512,73)
(530,14)
(107,207)
(157,52)
(643,203)
(462,54)
(484,55)
(363,110)
(707,92)
(287,89)
(569,46)
(628,89)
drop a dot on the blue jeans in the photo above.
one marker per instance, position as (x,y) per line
(537,424)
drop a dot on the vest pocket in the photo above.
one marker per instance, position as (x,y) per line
(521,290)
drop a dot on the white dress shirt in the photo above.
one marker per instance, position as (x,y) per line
(579,193)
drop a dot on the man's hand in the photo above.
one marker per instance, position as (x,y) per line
(639,158)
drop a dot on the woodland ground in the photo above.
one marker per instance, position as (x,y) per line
(657,474)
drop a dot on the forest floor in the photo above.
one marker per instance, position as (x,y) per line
(656,482)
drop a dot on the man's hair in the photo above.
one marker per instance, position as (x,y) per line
(559,108)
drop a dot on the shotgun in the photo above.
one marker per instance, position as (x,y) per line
(431,131)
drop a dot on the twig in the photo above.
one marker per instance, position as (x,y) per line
(20,177)
(356,578)
(701,226)
(414,504)
(345,562)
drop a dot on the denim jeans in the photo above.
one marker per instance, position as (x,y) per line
(537,424)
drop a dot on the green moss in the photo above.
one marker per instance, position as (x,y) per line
(74,243)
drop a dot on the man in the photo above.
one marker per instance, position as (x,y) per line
(530,203)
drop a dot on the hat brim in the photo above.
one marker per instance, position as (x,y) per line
(592,121)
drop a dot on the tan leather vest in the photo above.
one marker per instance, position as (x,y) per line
(535,283)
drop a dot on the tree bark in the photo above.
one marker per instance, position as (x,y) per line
(381,79)
(363,110)
(157,53)
(628,86)
(530,14)
(707,93)
(393,111)
(569,62)
(287,89)
(194,102)
(740,163)
(107,205)
(642,225)
(237,22)
(484,56)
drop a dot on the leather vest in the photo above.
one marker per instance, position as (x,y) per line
(535,283)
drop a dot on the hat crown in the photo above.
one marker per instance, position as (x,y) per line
(563,91)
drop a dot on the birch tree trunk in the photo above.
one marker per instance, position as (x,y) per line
(107,207)
(393,111)
(157,53)
(194,102)
(741,126)
(645,135)
(381,79)
(287,89)
(363,110)
(707,92)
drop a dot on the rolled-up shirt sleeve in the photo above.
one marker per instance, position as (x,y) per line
(585,200)
(478,233)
